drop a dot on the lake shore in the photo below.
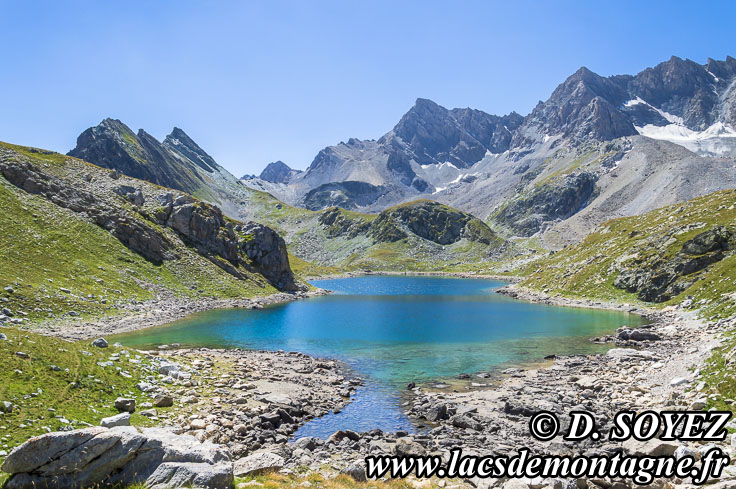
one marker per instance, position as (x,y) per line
(161,311)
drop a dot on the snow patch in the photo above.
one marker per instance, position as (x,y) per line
(677,132)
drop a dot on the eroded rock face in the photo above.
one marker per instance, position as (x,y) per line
(558,200)
(197,223)
(120,455)
(268,252)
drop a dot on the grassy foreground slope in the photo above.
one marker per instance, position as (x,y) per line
(416,236)
(680,254)
(57,262)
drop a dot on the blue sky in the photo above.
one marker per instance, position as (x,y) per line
(253,82)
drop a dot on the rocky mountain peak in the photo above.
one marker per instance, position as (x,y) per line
(277,172)
(112,144)
(179,141)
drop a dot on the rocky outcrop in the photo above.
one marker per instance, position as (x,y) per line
(267,250)
(338,224)
(197,224)
(659,277)
(432,221)
(527,214)
(117,456)
(132,232)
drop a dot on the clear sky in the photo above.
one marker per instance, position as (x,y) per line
(257,81)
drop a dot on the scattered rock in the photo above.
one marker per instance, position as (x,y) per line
(100,343)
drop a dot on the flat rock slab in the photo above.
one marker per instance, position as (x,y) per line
(116,456)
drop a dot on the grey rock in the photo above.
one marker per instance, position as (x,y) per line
(100,343)
(189,474)
(125,404)
(3,337)
(163,400)
(437,413)
(6,407)
(407,447)
(122,419)
(306,443)
(356,471)
(257,463)
(111,456)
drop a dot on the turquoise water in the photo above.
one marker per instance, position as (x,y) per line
(397,329)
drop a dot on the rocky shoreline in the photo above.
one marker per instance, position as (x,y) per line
(160,311)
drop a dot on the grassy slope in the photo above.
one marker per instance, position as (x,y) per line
(46,248)
(589,268)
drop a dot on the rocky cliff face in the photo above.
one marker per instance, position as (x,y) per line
(677,93)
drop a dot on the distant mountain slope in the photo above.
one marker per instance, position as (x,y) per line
(490,166)
(417,236)
(81,240)
(681,254)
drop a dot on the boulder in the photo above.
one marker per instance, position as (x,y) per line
(437,412)
(163,400)
(6,407)
(356,472)
(124,404)
(122,419)
(116,456)
(100,343)
(464,421)
(407,447)
(306,443)
(257,463)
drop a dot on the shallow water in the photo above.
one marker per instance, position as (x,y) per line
(396,329)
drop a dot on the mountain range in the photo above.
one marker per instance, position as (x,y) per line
(598,147)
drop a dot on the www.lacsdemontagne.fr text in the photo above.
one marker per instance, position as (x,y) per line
(642,470)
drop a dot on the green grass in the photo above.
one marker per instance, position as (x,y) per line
(82,392)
